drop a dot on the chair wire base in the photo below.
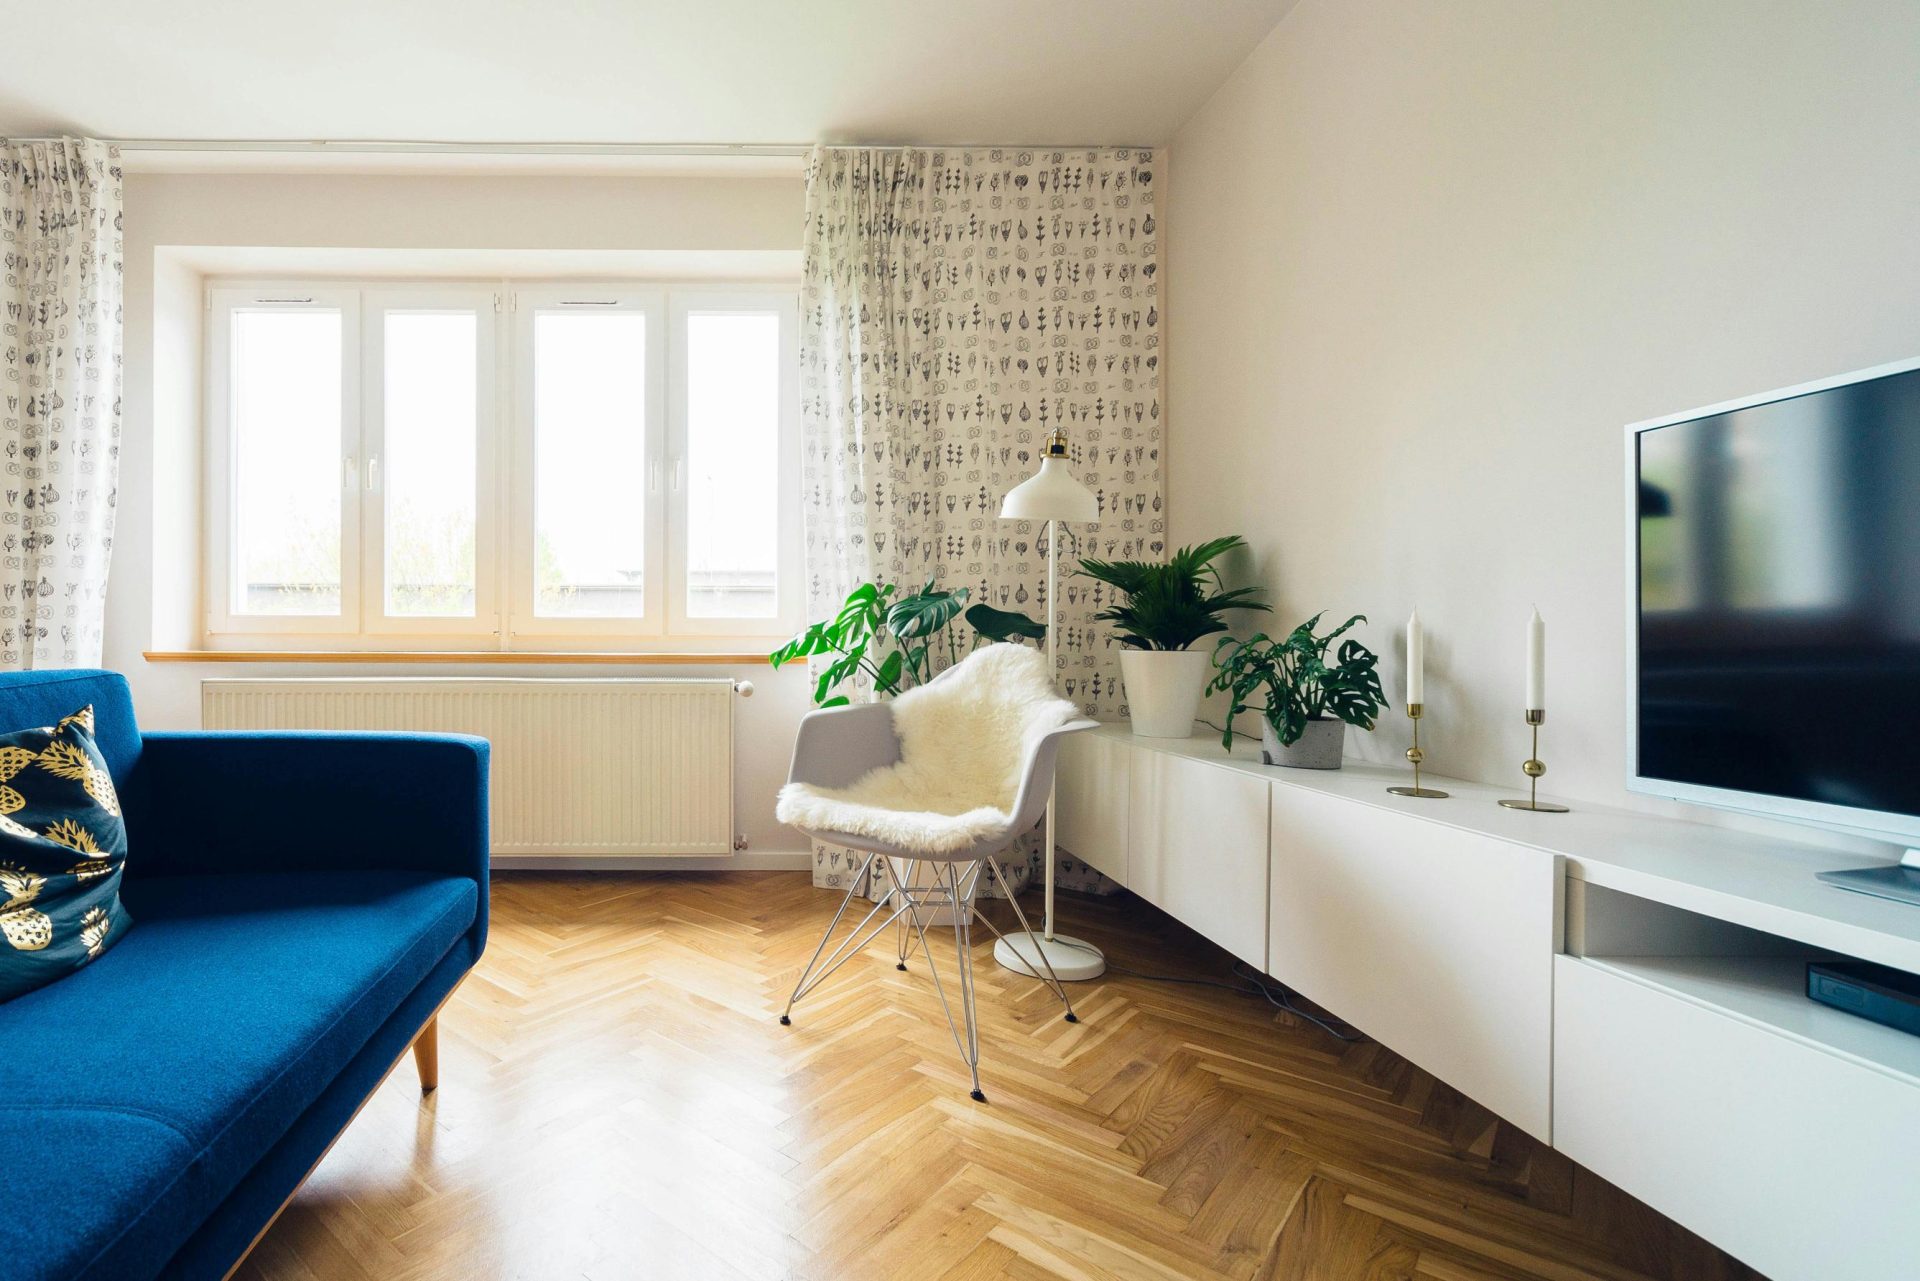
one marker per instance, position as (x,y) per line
(950,890)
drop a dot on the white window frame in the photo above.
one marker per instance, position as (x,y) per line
(222,567)
(523,621)
(788,566)
(431,298)
(504,617)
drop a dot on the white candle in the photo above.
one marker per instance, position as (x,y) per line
(1416,660)
(1536,663)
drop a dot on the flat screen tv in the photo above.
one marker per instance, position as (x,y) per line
(1774,604)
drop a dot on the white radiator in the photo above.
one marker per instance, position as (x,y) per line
(580,767)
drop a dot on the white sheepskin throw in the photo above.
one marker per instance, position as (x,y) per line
(964,742)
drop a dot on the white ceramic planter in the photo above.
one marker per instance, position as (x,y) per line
(1163,689)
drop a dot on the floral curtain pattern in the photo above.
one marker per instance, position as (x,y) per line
(956,306)
(60,353)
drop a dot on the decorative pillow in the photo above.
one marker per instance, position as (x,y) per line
(62,847)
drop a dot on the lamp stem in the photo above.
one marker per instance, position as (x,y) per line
(1053,565)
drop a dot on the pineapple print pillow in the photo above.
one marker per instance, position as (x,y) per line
(62,845)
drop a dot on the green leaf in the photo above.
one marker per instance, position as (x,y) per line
(839,701)
(1171,605)
(925,613)
(889,678)
(1002,624)
(917,663)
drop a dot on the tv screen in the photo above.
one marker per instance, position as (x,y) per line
(1779,598)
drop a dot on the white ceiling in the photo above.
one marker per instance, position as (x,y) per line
(623,71)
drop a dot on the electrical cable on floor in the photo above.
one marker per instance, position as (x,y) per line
(1257,984)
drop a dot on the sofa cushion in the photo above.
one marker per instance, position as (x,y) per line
(62,850)
(139,1092)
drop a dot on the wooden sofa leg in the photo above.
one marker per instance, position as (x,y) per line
(426,1054)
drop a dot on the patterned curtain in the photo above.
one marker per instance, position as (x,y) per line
(956,307)
(60,408)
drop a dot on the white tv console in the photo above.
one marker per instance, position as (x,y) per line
(1627,988)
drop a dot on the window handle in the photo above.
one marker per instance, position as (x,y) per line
(653,476)
(352,477)
(679,473)
(373,473)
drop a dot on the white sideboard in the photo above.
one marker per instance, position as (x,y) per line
(1630,989)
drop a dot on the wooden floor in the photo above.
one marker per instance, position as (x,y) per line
(617,1100)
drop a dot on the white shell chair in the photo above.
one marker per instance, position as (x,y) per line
(841,747)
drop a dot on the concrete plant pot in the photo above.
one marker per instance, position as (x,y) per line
(1318,747)
(1163,689)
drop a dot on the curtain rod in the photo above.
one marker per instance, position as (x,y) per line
(374,146)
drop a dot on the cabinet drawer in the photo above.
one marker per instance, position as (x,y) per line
(1199,849)
(1436,941)
(1092,800)
(1794,1159)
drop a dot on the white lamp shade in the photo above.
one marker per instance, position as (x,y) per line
(1053,494)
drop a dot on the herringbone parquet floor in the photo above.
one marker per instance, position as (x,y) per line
(617,1101)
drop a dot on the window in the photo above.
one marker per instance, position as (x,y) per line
(734,385)
(501,465)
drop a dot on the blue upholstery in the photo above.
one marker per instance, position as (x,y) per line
(212,803)
(41,698)
(302,904)
(225,1236)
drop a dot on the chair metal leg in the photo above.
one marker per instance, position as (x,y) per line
(910,903)
(904,943)
(800,987)
(963,947)
(1050,979)
(961,1042)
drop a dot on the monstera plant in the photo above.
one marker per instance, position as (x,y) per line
(1305,701)
(896,641)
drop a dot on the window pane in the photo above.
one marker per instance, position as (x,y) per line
(432,447)
(733,464)
(589,443)
(287,462)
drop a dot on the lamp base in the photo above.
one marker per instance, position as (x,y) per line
(1073,960)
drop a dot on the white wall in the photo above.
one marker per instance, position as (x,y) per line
(1426,259)
(151,600)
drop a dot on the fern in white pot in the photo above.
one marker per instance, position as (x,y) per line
(1163,609)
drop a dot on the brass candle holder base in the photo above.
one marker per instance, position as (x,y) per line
(1533,768)
(1414,754)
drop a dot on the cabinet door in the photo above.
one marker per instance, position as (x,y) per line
(1199,849)
(1795,1158)
(1437,942)
(1091,800)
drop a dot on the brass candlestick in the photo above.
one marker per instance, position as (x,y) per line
(1534,768)
(1414,754)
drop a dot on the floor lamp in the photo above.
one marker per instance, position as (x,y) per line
(1053,496)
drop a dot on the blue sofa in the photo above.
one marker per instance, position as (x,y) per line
(302,904)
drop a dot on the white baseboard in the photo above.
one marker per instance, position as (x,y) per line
(746,861)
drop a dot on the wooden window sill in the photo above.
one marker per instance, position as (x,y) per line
(490,657)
